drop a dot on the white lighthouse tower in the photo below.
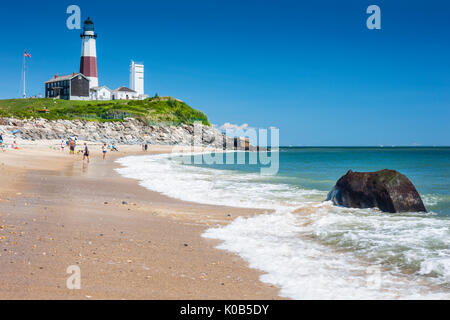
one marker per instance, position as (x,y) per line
(88,64)
(137,77)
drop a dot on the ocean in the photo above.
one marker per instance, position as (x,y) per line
(305,245)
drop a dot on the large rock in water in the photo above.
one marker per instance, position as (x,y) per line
(388,190)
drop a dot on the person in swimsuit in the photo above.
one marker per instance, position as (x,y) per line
(104,151)
(86,152)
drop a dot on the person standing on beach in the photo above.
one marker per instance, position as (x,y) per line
(1,143)
(146,147)
(104,151)
(63,145)
(86,152)
(72,146)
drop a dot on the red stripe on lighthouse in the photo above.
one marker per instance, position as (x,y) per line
(88,66)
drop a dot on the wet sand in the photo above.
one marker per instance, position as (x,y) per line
(129,242)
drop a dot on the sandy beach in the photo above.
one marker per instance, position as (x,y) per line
(129,242)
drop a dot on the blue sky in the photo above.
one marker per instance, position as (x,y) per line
(310,68)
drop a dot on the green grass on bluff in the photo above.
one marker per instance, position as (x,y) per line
(152,111)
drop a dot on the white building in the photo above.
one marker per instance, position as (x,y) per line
(100,93)
(137,77)
(124,93)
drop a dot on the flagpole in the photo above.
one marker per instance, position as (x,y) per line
(24,75)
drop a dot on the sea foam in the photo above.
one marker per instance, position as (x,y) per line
(311,249)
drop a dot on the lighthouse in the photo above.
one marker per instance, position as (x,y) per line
(88,64)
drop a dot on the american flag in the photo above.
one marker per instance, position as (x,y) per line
(26,54)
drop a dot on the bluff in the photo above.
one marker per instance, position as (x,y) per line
(157,120)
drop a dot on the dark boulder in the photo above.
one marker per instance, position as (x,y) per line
(388,190)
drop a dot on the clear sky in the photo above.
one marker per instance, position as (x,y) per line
(310,68)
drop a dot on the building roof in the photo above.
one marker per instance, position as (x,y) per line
(88,21)
(137,64)
(99,87)
(124,89)
(66,77)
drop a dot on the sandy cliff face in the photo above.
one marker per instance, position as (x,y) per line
(130,131)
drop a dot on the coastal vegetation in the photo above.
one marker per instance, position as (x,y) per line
(151,111)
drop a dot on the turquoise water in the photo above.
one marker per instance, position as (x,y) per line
(319,168)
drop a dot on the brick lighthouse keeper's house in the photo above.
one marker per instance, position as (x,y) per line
(88,63)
